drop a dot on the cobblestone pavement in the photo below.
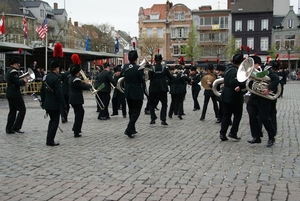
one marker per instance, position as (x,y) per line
(182,161)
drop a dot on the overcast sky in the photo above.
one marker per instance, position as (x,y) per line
(123,15)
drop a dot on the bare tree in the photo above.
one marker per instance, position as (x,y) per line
(150,45)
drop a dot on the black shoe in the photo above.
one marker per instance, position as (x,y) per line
(124,116)
(134,132)
(170,116)
(152,122)
(102,118)
(195,109)
(114,115)
(254,140)
(234,136)
(164,123)
(107,118)
(18,131)
(202,119)
(223,137)
(53,144)
(182,114)
(77,135)
(180,117)
(147,112)
(64,121)
(10,132)
(218,121)
(130,135)
(270,143)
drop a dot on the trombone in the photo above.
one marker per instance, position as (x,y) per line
(93,90)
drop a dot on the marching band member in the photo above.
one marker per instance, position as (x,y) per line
(14,97)
(195,79)
(259,106)
(76,96)
(135,86)
(208,93)
(64,77)
(52,96)
(220,70)
(105,77)
(232,98)
(158,89)
(118,97)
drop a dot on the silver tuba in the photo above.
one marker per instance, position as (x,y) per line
(28,75)
(246,71)
(217,86)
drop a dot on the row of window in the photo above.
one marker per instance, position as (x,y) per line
(250,25)
(209,21)
(177,16)
(179,32)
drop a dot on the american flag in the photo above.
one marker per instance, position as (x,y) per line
(42,29)
(25,29)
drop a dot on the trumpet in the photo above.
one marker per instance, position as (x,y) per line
(93,90)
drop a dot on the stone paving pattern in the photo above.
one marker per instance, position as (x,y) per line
(184,161)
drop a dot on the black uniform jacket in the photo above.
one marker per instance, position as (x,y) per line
(229,95)
(76,88)
(157,77)
(64,77)
(13,83)
(134,79)
(195,79)
(177,84)
(106,78)
(51,92)
(256,99)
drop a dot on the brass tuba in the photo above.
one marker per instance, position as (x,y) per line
(28,75)
(246,71)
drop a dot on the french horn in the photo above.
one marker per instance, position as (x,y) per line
(254,83)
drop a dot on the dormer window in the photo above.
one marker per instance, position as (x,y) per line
(154,16)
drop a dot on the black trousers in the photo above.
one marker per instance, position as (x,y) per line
(116,101)
(221,110)
(262,111)
(195,94)
(163,98)
(65,111)
(52,125)
(229,110)
(135,107)
(14,121)
(215,106)
(176,105)
(105,97)
(79,115)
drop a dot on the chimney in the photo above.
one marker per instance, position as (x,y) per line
(205,8)
(76,24)
(55,5)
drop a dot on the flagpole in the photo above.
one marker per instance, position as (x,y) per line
(46,53)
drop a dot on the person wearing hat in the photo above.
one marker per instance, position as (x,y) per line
(135,86)
(232,98)
(195,79)
(209,94)
(158,89)
(14,97)
(52,99)
(76,96)
(118,97)
(106,78)
(259,106)
(64,77)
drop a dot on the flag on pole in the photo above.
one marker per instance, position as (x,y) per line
(42,29)
(116,45)
(87,42)
(2,30)
(25,29)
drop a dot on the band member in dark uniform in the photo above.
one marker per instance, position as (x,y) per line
(259,106)
(177,85)
(14,97)
(105,77)
(158,89)
(209,94)
(64,77)
(76,96)
(195,79)
(118,97)
(135,86)
(232,98)
(52,99)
